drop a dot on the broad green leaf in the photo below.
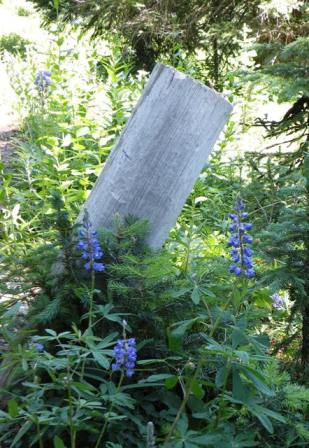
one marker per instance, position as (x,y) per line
(171,382)
(83,386)
(243,356)
(158,377)
(180,292)
(240,391)
(183,424)
(208,293)
(13,408)
(82,131)
(51,332)
(238,338)
(206,438)
(262,299)
(272,414)
(176,335)
(102,360)
(263,413)
(195,296)
(197,389)
(58,443)
(220,376)
(258,380)
(265,422)
(24,365)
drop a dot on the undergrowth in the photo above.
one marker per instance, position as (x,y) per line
(78,307)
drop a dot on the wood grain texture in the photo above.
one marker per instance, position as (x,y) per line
(163,148)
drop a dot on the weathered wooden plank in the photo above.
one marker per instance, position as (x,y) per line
(160,153)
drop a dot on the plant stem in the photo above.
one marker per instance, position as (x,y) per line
(91,297)
(38,430)
(69,375)
(221,402)
(188,392)
(108,414)
(90,320)
(183,403)
(72,430)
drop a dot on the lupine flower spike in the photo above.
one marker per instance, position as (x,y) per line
(90,247)
(241,254)
(277,300)
(125,354)
(43,80)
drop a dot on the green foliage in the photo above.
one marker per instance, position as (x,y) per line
(14,43)
(62,390)
(22,11)
(172,30)
(283,61)
(213,353)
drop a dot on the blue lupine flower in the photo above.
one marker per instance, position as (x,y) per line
(234,241)
(39,347)
(250,273)
(247,239)
(236,270)
(248,252)
(277,300)
(125,356)
(43,79)
(241,254)
(239,205)
(90,247)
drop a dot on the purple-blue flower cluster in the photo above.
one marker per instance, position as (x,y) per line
(241,254)
(91,249)
(125,356)
(277,300)
(43,79)
(39,347)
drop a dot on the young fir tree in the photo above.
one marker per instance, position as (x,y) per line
(285,243)
(281,186)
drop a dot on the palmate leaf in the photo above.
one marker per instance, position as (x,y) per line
(101,359)
(195,296)
(263,415)
(240,391)
(175,336)
(258,380)
(185,438)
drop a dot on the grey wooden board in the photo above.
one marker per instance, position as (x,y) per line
(160,153)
